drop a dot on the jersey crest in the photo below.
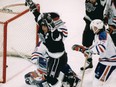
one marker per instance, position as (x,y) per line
(90,7)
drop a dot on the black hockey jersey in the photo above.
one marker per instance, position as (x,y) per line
(53,45)
(54,40)
(94,11)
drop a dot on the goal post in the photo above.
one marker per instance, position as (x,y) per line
(18,34)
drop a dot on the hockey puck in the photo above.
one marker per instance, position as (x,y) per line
(6,66)
(81,68)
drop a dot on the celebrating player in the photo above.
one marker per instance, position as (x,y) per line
(52,32)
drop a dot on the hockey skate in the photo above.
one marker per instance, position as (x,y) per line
(70,81)
(89,64)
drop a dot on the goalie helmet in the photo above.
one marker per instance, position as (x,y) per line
(96,25)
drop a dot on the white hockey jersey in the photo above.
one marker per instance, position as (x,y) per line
(104,46)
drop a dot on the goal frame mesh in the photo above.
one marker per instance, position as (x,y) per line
(5,40)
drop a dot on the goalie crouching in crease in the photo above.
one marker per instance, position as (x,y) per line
(106,50)
(52,33)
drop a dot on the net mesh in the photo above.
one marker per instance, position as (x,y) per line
(17,31)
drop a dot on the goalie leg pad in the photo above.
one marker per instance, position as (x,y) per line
(42,64)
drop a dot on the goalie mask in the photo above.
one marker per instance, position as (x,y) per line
(96,25)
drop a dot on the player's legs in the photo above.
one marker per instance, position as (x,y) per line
(87,40)
(102,74)
(97,83)
(54,68)
(70,78)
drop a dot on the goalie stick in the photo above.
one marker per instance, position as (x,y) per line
(21,55)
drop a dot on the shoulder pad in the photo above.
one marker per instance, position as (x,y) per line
(103,36)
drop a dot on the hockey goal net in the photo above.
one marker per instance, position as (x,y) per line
(18,34)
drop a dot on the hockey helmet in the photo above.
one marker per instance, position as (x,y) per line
(44,22)
(96,25)
(55,16)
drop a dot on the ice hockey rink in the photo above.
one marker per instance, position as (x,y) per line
(72,12)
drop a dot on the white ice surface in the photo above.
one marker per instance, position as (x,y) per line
(72,12)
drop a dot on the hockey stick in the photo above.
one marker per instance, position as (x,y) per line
(83,74)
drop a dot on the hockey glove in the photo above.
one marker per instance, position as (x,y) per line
(87,53)
(31,4)
(78,48)
(28,2)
